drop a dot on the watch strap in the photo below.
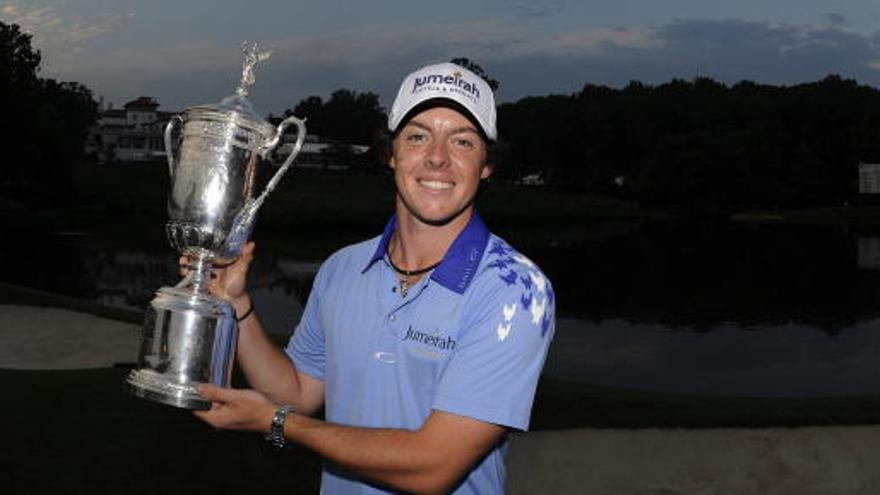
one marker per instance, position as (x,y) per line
(276,430)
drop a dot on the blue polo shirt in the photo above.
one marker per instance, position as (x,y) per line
(470,339)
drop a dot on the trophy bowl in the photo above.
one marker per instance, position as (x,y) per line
(189,336)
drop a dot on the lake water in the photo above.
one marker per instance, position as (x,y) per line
(731,309)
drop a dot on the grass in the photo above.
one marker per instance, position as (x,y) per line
(78,432)
(562,404)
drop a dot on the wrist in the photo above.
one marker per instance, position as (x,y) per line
(243,307)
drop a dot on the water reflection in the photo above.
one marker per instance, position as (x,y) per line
(126,279)
(86,268)
(129,280)
(743,309)
(697,277)
(779,360)
(869,253)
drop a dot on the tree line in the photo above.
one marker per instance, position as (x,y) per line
(47,122)
(695,146)
(700,146)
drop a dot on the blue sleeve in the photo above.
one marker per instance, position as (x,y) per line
(503,345)
(306,346)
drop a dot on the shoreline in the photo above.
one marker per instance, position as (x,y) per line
(42,331)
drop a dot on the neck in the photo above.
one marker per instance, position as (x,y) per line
(416,244)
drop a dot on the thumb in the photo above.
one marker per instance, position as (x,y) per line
(247,251)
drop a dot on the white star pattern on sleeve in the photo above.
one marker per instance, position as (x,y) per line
(508,311)
(522,260)
(537,310)
(539,281)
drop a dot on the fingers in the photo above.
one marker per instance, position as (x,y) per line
(236,409)
(213,393)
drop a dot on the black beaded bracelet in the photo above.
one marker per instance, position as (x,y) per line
(246,313)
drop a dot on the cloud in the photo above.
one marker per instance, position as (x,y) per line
(369,58)
(376,44)
(600,40)
(836,20)
(532,9)
(727,50)
(777,53)
(376,57)
(57,31)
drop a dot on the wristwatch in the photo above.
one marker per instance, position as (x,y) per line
(276,431)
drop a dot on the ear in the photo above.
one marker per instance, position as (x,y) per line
(487,171)
(392,164)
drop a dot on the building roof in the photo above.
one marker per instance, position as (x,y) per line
(142,103)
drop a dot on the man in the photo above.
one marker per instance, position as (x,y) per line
(424,344)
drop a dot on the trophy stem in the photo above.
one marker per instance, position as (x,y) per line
(198,278)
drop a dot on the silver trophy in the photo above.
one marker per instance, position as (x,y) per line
(189,336)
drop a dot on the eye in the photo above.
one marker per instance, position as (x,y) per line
(464,143)
(416,137)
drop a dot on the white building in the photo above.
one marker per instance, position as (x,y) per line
(134,133)
(321,155)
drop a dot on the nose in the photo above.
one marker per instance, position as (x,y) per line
(438,154)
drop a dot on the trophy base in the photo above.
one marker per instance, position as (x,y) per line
(188,338)
(152,386)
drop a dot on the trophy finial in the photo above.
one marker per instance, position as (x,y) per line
(252,56)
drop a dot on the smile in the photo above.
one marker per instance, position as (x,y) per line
(435,184)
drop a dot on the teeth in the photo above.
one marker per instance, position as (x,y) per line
(435,184)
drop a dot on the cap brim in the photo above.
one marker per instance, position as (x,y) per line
(442,102)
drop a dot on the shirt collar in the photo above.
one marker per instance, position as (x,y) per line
(459,264)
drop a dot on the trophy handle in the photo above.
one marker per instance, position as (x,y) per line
(245,218)
(297,146)
(169,152)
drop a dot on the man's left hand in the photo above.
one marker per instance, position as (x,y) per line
(236,409)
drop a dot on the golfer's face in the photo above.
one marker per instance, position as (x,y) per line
(439,158)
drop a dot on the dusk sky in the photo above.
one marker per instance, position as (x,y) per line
(188,52)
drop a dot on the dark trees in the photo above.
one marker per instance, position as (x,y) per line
(347,116)
(699,146)
(49,121)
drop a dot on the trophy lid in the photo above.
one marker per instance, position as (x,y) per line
(235,103)
(237,108)
(234,110)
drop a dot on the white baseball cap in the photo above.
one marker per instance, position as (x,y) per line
(450,82)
